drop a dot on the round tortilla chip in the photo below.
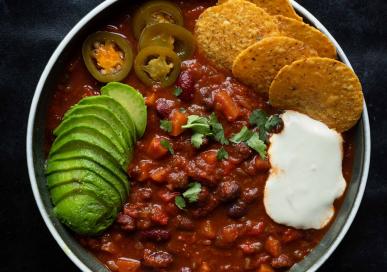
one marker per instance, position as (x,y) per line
(258,64)
(275,7)
(325,89)
(225,30)
(309,35)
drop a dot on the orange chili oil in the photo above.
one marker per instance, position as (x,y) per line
(227,228)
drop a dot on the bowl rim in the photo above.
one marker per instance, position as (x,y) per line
(53,59)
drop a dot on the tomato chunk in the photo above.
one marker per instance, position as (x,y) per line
(178,119)
(127,264)
(155,149)
(227,106)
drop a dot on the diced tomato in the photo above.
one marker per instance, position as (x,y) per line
(265,268)
(178,120)
(291,235)
(144,167)
(227,106)
(159,174)
(128,265)
(210,156)
(155,149)
(150,100)
(273,246)
(261,165)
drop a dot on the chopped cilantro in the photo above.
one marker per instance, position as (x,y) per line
(257,144)
(241,136)
(192,193)
(180,202)
(222,154)
(217,129)
(198,124)
(258,118)
(182,110)
(272,122)
(197,140)
(166,125)
(177,91)
(165,143)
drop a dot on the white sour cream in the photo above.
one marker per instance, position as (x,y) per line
(306,175)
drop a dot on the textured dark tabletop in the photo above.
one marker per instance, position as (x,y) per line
(30,31)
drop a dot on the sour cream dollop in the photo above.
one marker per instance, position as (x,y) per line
(306,175)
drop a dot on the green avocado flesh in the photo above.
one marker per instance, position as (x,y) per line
(96,155)
(117,108)
(106,114)
(131,100)
(87,163)
(93,122)
(84,214)
(91,136)
(102,178)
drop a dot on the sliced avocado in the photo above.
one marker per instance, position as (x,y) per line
(97,155)
(93,137)
(112,186)
(104,113)
(64,190)
(131,100)
(116,108)
(94,122)
(84,214)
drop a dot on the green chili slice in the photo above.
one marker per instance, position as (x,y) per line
(108,56)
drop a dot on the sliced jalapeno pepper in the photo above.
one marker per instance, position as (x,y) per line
(108,56)
(155,12)
(172,36)
(157,65)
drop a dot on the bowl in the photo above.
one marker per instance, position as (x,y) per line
(83,259)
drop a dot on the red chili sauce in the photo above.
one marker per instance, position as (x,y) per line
(227,229)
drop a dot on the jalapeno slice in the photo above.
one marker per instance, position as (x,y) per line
(155,12)
(157,65)
(172,36)
(108,56)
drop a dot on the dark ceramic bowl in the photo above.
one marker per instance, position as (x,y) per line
(36,157)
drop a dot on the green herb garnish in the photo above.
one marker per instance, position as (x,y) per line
(257,144)
(192,193)
(272,122)
(197,140)
(241,136)
(177,91)
(217,129)
(180,202)
(222,154)
(258,118)
(198,124)
(165,143)
(166,125)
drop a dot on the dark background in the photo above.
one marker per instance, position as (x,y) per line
(29,33)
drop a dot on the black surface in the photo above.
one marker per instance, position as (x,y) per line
(29,33)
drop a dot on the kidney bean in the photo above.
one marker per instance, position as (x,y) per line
(155,235)
(164,107)
(251,247)
(273,246)
(183,223)
(126,222)
(250,194)
(282,261)
(228,190)
(157,259)
(186,82)
(237,210)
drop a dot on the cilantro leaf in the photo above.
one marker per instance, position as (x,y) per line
(257,144)
(263,134)
(241,136)
(198,124)
(197,140)
(272,122)
(222,154)
(166,125)
(217,129)
(258,118)
(182,110)
(177,91)
(192,193)
(165,143)
(180,202)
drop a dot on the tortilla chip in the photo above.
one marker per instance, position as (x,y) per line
(325,89)
(225,30)
(274,7)
(307,34)
(258,65)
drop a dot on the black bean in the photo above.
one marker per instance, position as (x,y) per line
(237,210)
(155,235)
(228,190)
(157,259)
